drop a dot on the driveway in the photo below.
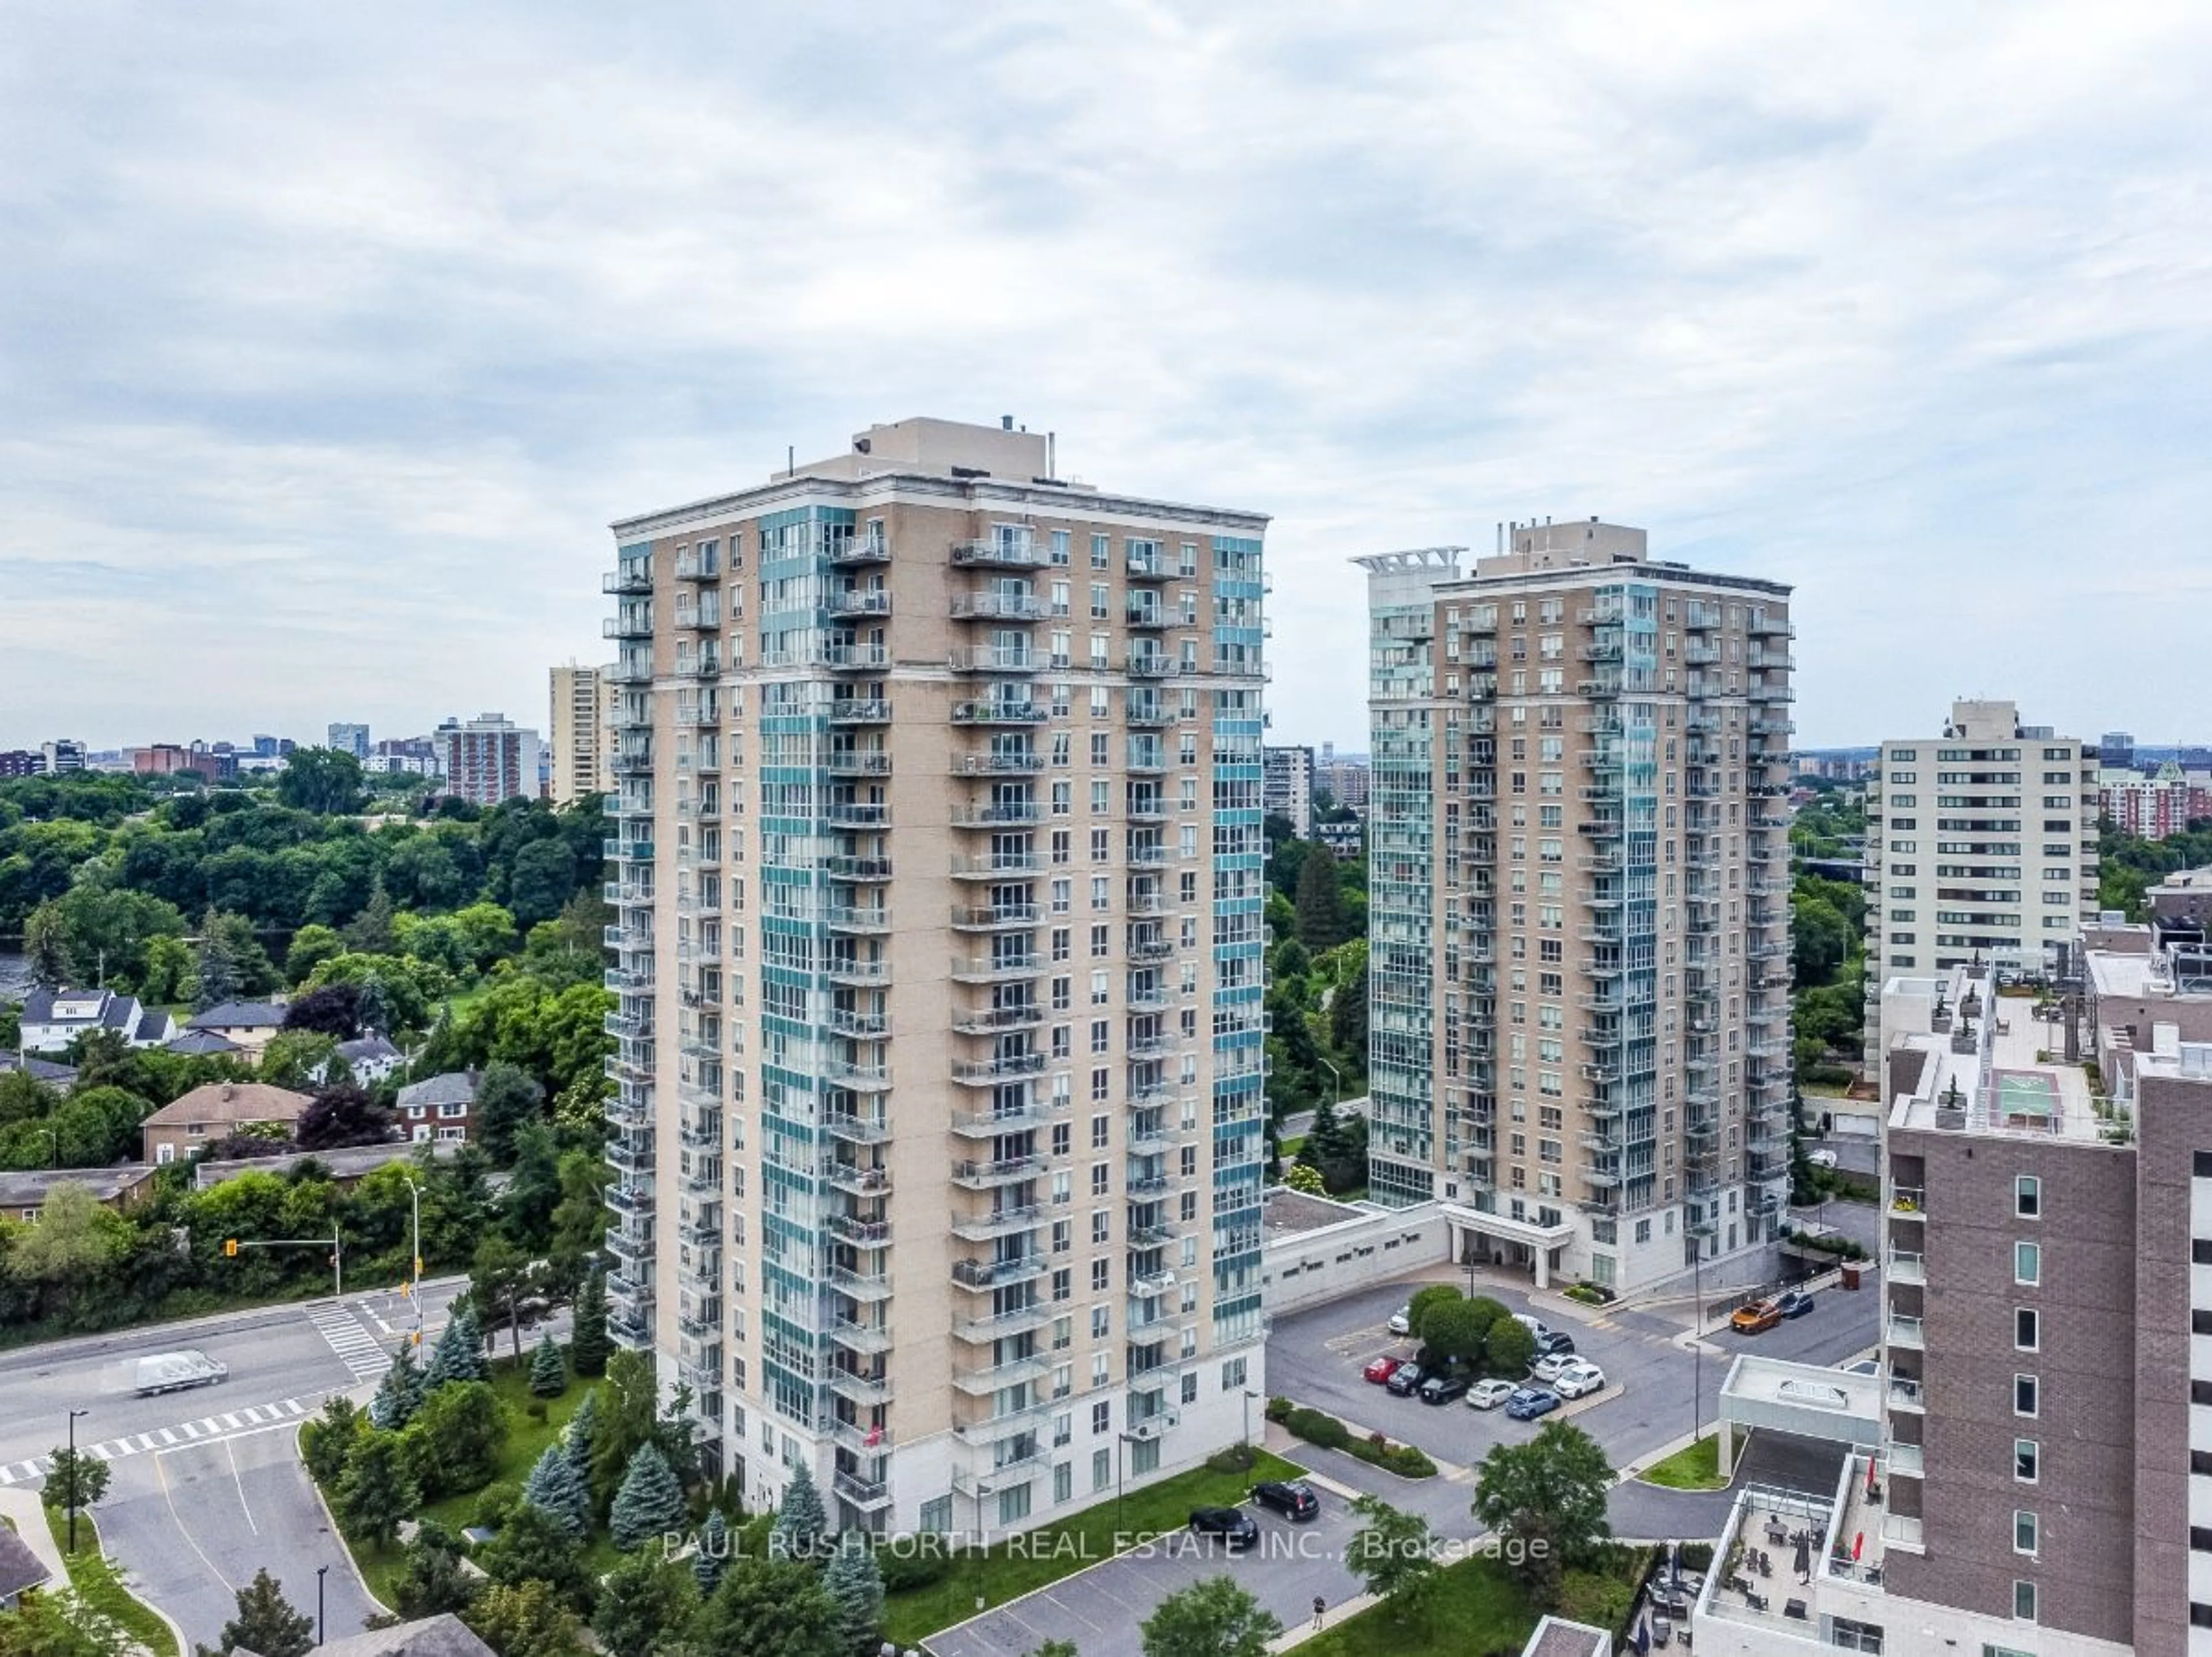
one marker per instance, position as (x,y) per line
(1100,1609)
(195,1522)
(1648,1512)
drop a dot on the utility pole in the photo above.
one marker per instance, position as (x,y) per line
(415,1279)
(72,1415)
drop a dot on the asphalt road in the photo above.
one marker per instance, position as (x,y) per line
(207,1486)
(1100,1609)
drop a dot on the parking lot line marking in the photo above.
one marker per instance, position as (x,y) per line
(169,1498)
(239,1480)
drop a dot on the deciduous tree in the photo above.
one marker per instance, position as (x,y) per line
(528,1617)
(1392,1555)
(768,1607)
(645,1603)
(1214,1618)
(75,1477)
(1549,1494)
(377,1491)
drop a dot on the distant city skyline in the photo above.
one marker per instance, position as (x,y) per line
(1800,294)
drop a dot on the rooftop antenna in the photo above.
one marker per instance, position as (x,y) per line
(790,459)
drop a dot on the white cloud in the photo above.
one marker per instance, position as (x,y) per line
(328,344)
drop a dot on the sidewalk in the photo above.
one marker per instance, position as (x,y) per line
(21,1507)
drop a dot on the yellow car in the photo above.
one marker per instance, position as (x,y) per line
(1756,1318)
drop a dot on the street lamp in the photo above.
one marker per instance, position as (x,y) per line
(72,1415)
(982,1489)
(1336,1080)
(1249,1396)
(1697,1340)
(415,1278)
(321,1571)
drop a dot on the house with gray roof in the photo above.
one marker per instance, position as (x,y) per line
(20,1570)
(204,1044)
(443,1635)
(40,1070)
(23,1193)
(54,1018)
(250,1024)
(371,1058)
(440,1106)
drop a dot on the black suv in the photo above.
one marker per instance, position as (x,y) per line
(1444,1388)
(1292,1500)
(1404,1379)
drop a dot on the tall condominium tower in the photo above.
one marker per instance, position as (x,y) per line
(582,733)
(1981,846)
(939,1074)
(1578,897)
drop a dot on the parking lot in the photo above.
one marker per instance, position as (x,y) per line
(1100,1609)
(1316,1358)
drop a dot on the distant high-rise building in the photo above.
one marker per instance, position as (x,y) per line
(2117,749)
(160,759)
(350,740)
(940,1069)
(2153,806)
(488,759)
(20,762)
(266,747)
(582,733)
(1578,919)
(61,754)
(1290,788)
(1981,846)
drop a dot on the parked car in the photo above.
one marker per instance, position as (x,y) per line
(1404,1379)
(1756,1319)
(1232,1525)
(1551,1368)
(1822,1158)
(1381,1369)
(1291,1498)
(1796,1303)
(1443,1389)
(1489,1394)
(1554,1341)
(1401,1320)
(1579,1379)
(1529,1402)
(1535,1326)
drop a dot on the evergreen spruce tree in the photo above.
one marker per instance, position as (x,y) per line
(713,1556)
(801,1527)
(549,1375)
(399,1395)
(650,1502)
(266,1625)
(216,971)
(557,1489)
(459,1353)
(855,1582)
(589,1348)
(1320,901)
(582,1426)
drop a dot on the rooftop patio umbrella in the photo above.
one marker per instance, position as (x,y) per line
(1805,1555)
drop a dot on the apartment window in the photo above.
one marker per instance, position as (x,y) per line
(2027,1532)
(1014,1504)
(2027,1197)
(2026,1396)
(1101,1127)
(2023,1601)
(1060,546)
(1099,556)
(1101,1323)
(1063,1284)
(2027,1263)
(2026,1328)
(1063,1479)
(1102,1472)
(2200,1250)
(937,1516)
(2027,1459)
(2200,1541)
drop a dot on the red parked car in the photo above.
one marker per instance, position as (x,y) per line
(1381,1369)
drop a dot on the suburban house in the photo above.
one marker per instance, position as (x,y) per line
(371,1058)
(249,1024)
(177,1130)
(40,1070)
(442,1108)
(20,1570)
(23,1195)
(204,1044)
(54,1018)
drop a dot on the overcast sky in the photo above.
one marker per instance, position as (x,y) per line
(331,338)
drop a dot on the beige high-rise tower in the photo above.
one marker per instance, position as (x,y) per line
(582,731)
(1578,901)
(939,1113)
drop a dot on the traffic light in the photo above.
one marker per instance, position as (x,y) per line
(415,1337)
(230,1247)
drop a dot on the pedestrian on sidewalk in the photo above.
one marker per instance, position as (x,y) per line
(1320,1606)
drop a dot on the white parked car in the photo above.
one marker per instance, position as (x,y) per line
(1536,1327)
(1580,1378)
(1551,1368)
(1821,1158)
(1401,1320)
(1488,1394)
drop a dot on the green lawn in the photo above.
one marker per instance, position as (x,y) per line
(1476,1610)
(98,1586)
(526,1441)
(1693,1468)
(1060,1548)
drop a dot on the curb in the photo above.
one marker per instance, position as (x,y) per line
(344,1541)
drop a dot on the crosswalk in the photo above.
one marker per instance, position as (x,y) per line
(362,1352)
(206,1429)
